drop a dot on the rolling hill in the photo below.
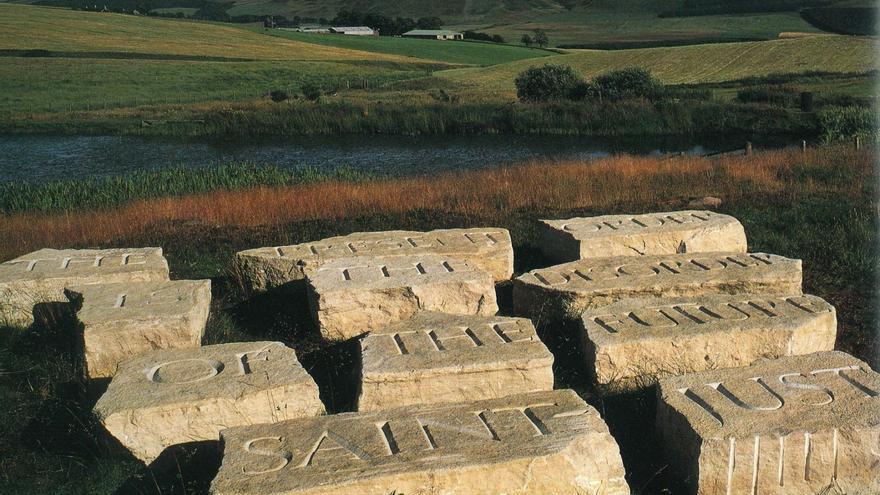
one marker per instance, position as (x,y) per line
(25,27)
(694,63)
(597,22)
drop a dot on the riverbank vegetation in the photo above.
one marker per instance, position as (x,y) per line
(819,205)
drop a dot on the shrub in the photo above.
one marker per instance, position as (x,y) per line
(584,90)
(278,95)
(780,95)
(842,123)
(632,82)
(547,83)
(311,92)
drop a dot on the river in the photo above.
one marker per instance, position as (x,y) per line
(45,158)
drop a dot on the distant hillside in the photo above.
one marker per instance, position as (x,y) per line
(692,64)
(452,11)
(598,23)
(60,30)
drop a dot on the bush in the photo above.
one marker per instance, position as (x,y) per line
(779,95)
(632,82)
(547,83)
(278,95)
(843,123)
(311,92)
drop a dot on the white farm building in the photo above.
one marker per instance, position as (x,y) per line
(353,30)
(434,34)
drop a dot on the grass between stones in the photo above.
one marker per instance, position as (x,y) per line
(820,206)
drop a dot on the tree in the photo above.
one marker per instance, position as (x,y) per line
(526,40)
(632,82)
(547,83)
(540,38)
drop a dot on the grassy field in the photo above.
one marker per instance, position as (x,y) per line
(819,206)
(614,27)
(470,53)
(29,28)
(695,63)
(50,85)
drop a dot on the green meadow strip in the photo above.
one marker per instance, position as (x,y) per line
(105,192)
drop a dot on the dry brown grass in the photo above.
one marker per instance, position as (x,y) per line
(618,181)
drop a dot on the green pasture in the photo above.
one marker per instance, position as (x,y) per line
(47,85)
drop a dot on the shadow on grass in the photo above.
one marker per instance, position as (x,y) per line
(283,315)
(180,470)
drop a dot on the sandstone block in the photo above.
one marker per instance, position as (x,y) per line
(437,357)
(120,321)
(795,425)
(568,289)
(42,276)
(352,296)
(539,443)
(632,343)
(169,397)
(633,235)
(488,249)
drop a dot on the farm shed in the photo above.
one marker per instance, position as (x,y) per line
(434,34)
(354,30)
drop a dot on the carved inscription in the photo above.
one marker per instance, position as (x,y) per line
(668,316)
(192,370)
(409,243)
(450,338)
(584,275)
(63,263)
(418,435)
(638,222)
(815,388)
(367,273)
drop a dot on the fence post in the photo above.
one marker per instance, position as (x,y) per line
(858,141)
(804,145)
(748,148)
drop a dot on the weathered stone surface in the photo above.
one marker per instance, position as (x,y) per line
(42,276)
(568,289)
(632,343)
(796,425)
(539,443)
(437,357)
(488,249)
(633,235)
(177,396)
(123,320)
(352,296)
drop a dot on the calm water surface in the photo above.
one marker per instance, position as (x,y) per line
(41,158)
